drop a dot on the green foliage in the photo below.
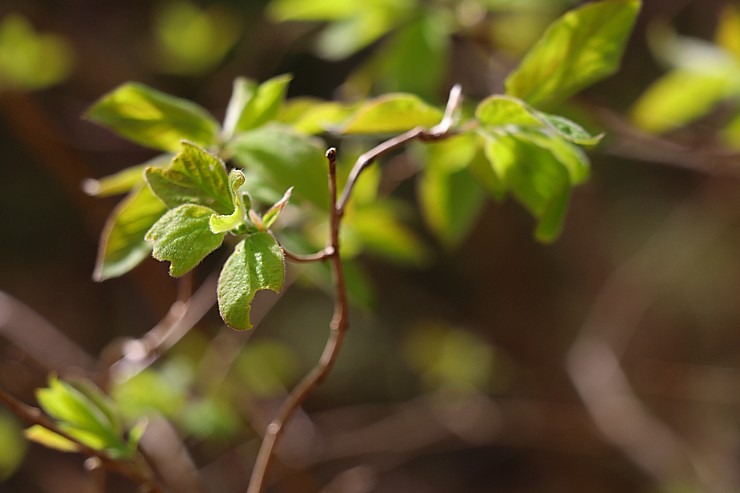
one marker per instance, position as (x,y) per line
(122,244)
(580,48)
(86,415)
(190,40)
(702,75)
(12,445)
(29,60)
(153,119)
(186,207)
(256,263)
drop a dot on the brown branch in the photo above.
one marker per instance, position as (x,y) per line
(338,328)
(440,131)
(315,257)
(137,471)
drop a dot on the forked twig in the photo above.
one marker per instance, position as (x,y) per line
(340,319)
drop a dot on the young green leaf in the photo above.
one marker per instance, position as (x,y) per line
(221,223)
(183,237)
(124,180)
(195,176)
(505,111)
(269,218)
(312,116)
(535,176)
(154,119)
(252,106)
(281,159)
(256,263)
(48,438)
(579,49)
(392,113)
(122,245)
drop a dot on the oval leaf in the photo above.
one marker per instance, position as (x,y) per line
(582,47)
(183,237)
(154,119)
(392,113)
(256,263)
(122,245)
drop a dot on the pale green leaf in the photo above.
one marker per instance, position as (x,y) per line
(450,202)
(124,180)
(535,176)
(570,130)
(252,106)
(221,223)
(122,245)
(392,113)
(312,116)
(153,118)
(272,214)
(195,176)
(183,237)
(679,97)
(48,438)
(257,263)
(282,159)
(579,49)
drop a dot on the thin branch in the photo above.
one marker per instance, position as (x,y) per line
(315,257)
(338,328)
(138,472)
(440,131)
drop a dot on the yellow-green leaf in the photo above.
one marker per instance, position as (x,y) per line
(392,113)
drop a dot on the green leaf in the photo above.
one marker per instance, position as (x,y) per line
(312,116)
(285,10)
(122,245)
(195,176)
(183,237)
(727,33)
(77,414)
(48,438)
(449,196)
(680,97)
(221,223)
(505,111)
(392,113)
(256,263)
(154,119)
(282,158)
(579,49)
(13,446)
(273,212)
(252,106)
(124,180)
(535,176)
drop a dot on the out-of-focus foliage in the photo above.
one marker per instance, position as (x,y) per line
(190,40)
(12,445)
(31,60)
(702,74)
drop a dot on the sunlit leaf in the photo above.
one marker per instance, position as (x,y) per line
(273,212)
(153,118)
(194,177)
(257,263)
(535,176)
(680,97)
(580,48)
(48,438)
(282,159)
(124,180)
(183,237)
(392,113)
(29,60)
(285,10)
(727,34)
(122,245)
(312,116)
(252,106)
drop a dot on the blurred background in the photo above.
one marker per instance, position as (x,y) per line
(608,361)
